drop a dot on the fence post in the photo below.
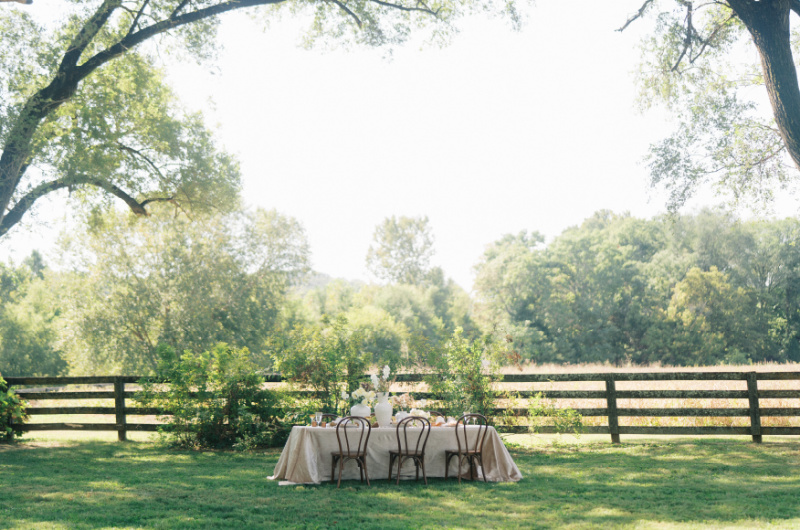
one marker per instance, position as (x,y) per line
(611,401)
(4,387)
(755,411)
(119,408)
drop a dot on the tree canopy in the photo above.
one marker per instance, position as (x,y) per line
(83,105)
(692,65)
(402,250)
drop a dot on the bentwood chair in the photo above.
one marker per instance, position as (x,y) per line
(328,417)
(433,413)
(470,448)
(412,437)
(352,433)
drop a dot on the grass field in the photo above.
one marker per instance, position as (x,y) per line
(82,481)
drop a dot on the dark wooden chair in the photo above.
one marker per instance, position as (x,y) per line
(328,417)
(352,433)
(411,445)
(432,413)
(470,448)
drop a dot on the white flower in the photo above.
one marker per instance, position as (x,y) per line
(386,372)
(370,395)
(422,403)
(344,395)
(374,379)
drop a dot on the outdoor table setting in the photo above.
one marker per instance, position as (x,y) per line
(306,457)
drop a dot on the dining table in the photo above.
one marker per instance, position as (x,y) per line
(307,456)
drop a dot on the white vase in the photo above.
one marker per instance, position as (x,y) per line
(383,410)
(360,410)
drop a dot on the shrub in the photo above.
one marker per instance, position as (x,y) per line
(463,373)
(564,419)
(327,360)
(12,410)
(215,399)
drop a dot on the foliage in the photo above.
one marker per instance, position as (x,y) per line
(215,399)
(12,410)
(463,371)
(402,251)
(684,290)
(329,360)
(563,419)
(28,331)
(83,104)
(189,284)
(698,63)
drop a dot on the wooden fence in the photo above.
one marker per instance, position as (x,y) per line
(608,392)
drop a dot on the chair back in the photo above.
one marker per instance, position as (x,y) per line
(352,433)
(413,441)
(479,426)
(328,417)
(433,413)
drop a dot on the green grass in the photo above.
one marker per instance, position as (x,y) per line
(686,483)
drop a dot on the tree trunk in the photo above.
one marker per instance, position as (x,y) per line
(768,24)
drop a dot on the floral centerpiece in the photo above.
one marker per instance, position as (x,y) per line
(381,384)
(360,400)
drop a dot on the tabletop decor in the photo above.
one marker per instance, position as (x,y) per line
(383,409)
(361,399)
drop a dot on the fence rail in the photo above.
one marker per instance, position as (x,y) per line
(610,394)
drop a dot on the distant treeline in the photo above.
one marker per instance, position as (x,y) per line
(689,290)
(697,289)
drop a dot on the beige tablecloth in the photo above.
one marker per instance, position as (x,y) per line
(306,457)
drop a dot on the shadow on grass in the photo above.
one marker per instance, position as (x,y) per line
(141,485)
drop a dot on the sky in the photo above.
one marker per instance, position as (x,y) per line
(496,133)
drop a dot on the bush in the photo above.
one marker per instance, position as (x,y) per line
(327,360)
(463,373)
(12,410)
(215,399)
(563,419)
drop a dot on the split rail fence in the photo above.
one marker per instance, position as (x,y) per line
(615,400)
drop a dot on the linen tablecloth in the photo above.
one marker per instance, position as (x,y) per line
(306,457)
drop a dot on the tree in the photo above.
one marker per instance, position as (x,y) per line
(721,138)
(28,310)
(402,251)
(188,285)
(76,99)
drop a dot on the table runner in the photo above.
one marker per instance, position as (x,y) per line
(306,457)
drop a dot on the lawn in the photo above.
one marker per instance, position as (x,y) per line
(50,482)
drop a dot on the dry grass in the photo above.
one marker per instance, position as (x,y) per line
(767,421)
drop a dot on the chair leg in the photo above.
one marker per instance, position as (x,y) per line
(399,465)
(416,465)
(424,475)
(366,471)
(483,469)
(333,469)
(341,466)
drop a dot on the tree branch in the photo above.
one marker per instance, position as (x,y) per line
(87,33)
(162,26)
(794,5)
(348,11)
(424,9)
(138,16)
(141,155)
(638,15)
(14,215)
(179,8)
